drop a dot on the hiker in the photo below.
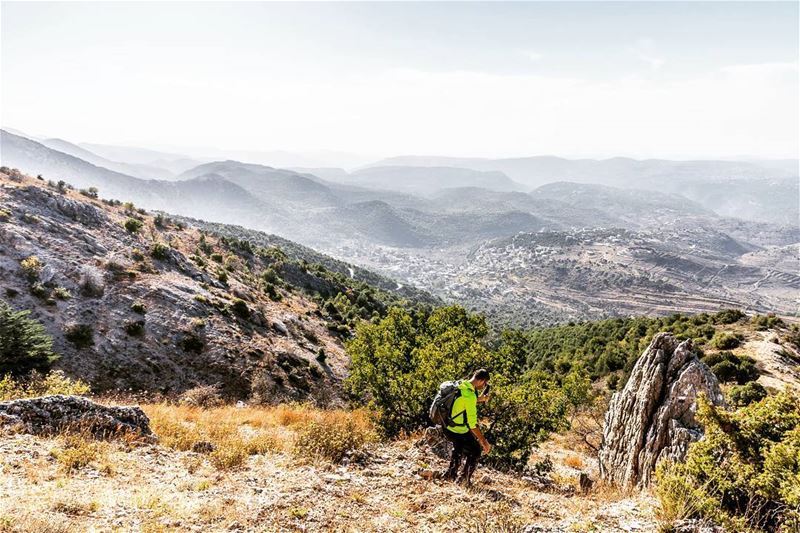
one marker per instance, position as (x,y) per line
(462,427)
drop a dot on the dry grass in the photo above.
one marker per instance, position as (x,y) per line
(79,451)
(231,434)
(574,461)
(334,437)
(29,522)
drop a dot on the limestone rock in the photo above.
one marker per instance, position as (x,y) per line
(47,415)
(653,417)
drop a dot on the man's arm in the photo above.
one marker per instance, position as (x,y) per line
(481,440)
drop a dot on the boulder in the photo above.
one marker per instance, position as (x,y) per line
(48,415)
(653,417)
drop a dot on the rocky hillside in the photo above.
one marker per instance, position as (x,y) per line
(143,302)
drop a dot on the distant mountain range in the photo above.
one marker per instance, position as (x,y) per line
(421,224)
(765,191)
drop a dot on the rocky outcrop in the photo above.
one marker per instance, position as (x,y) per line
(48,415)
(653,417)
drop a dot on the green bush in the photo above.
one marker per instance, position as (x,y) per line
(764,322)
(726,341)
(135,328)
(62,293)
(240,309)
(24,343)
(191,342)
(138,307)
(745,472)
(741,395)
(159,251)
(398,363)
(272,292)
(81,335)
(729,367)
(133,225)
(728,316)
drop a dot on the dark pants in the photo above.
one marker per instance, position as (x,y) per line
(464,445)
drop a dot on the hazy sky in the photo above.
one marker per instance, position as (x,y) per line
(481,79)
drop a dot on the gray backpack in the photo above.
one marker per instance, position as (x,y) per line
(442,407)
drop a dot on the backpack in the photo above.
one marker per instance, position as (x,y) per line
(442,407)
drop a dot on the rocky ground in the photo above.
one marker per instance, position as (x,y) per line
(153,488)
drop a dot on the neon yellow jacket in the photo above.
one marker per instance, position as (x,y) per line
(465,409)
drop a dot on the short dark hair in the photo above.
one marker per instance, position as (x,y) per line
(481,374)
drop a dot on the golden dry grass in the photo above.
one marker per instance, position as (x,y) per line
(235,433)
(574,461)
(80,450)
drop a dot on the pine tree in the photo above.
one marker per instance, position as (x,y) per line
(24,343)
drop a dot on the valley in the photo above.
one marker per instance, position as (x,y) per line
(489,234)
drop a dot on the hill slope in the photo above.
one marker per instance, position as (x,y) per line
(141,302)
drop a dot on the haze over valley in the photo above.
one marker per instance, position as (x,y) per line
(535,240)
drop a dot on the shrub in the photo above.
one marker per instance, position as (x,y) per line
(741,395)
(764,322)
(728,316)
(40,291)
(272,292)
(745,472)
(135,328)
(133,225)
(24,343)
(332,439)
(191,342)
(216,257)
(36,384)
(31,267)
(61,293)
(91,192)
(321,355)
(726,341)
(5,215)
(138,307)
(203,396)
(240,309)
(729,367)
(81,335)
(159,251)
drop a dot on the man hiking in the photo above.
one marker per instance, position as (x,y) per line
(462,427)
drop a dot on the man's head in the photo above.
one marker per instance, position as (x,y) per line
(480,378)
